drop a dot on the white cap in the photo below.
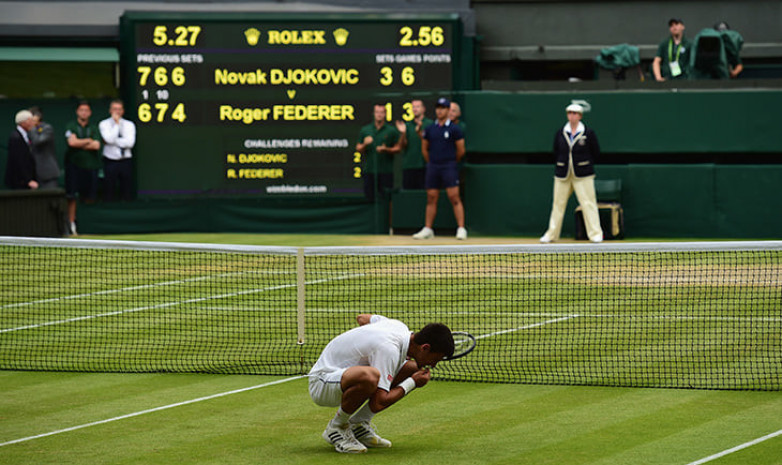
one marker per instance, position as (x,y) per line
(574,107)
(23,116)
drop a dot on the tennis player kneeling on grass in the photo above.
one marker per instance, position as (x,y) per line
(378,363)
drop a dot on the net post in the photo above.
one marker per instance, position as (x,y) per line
(300,295)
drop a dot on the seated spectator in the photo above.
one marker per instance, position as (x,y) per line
(672,60)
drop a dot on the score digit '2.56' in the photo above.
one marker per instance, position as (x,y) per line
(199,80)
(426,36)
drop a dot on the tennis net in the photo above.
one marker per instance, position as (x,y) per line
(683,315)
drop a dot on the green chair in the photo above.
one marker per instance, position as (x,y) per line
(608,190)
(609,207)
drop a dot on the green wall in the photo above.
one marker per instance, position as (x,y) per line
(659,200)
(215,214)
(692,121)
(698,201)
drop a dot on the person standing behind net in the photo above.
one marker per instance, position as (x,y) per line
(367,369)
(20,164)
(119,137)
(413,164)
(47,171)
(673,54)
(82,161)
(443,147)
(377,143)
(455,114)
(575,151)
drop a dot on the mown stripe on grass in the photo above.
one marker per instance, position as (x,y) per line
(152,410)
(736,449)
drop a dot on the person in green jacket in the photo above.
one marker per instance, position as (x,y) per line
(377,144)
(673,54)
(82,161)
(413,164)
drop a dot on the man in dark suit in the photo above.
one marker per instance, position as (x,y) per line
(20,166)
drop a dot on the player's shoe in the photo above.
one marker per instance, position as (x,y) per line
(545,239)
(461,234)
(343,439)
(424,233)
(367,435)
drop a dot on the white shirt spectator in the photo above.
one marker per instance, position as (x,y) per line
(119,138)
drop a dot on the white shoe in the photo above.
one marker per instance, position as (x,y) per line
(72,229)
(597,239)
(424,233)
(461,234)
(367,435)
(546,239)
(343,439)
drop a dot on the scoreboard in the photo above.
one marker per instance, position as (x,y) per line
(271,105)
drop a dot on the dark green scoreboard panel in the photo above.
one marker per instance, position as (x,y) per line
(249,104)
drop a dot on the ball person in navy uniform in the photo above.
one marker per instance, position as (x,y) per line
(575,150)
(442,147)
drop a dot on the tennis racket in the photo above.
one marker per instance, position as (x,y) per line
(463,342)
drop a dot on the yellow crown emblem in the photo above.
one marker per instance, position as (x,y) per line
(341,36)
(252,35)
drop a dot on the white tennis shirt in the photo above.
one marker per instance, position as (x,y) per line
(381,344)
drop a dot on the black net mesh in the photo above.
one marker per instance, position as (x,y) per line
(705,317)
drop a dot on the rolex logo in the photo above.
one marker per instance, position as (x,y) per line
(252,35)
(341,36)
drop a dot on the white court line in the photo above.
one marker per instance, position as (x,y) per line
(148,286)
(736,449)
(618,316)
(534,325)
(240,308)
(122,289)
(169,304)
(144,412)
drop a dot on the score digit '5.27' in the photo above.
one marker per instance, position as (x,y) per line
(183,36)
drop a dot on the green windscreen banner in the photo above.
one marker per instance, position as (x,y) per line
(692,121)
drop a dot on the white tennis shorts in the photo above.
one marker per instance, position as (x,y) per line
(326,388)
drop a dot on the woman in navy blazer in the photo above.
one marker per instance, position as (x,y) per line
(575,151)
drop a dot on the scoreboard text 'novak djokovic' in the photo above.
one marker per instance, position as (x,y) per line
(237,104)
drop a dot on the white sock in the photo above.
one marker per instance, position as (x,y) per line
(364,414)
(341,418)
